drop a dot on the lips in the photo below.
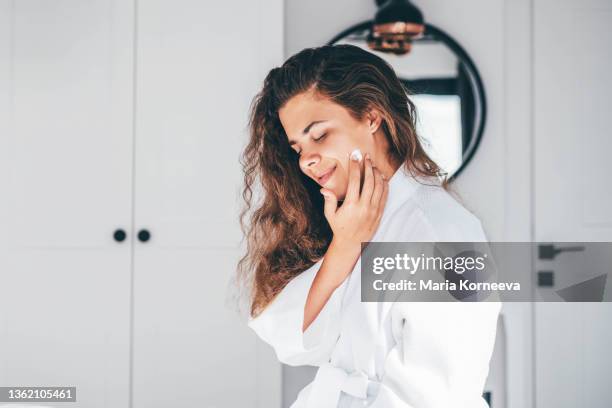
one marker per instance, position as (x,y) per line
(322,179)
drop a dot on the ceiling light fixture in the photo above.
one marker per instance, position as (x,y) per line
(396,24)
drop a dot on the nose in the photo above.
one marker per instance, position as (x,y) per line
(309,159)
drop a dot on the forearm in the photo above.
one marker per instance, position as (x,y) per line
(338,263)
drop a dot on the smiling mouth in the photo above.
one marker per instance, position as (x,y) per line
(323,179)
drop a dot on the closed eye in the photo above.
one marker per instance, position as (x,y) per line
(320,137)
(317,140)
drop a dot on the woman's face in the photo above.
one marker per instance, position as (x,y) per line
(324,134)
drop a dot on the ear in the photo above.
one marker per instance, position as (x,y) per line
(374,120)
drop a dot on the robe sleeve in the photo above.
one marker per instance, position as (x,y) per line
(280,324)
(442,355)
(442,350)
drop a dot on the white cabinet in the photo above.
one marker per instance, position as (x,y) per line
(65,186)
(129,115)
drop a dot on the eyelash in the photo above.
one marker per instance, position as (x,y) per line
(315,140)
(320,137)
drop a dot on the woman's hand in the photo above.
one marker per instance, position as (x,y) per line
(354,222)
(359,215)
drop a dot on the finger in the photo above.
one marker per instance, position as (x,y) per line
(383,200)
(378,188)
(330,205)
(352,192)
(368,182)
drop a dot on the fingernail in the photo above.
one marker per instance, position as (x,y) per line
(356,155)
(325,193)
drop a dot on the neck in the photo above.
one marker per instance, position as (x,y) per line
(385,161)
(388,166)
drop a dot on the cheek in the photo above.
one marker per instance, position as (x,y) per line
(338,152)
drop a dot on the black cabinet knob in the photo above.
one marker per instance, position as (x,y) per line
(144,235)
(119,235)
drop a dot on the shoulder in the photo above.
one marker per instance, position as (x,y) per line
(445,218)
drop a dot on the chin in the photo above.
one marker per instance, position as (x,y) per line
(339,192)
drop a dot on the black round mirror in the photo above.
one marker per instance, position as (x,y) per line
(446,88)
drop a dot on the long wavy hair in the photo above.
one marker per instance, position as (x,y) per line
(285,229)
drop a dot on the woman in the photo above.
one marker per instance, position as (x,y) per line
(334,146)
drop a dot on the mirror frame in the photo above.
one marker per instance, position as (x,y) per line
(480,100)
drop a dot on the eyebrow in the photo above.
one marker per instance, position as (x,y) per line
(306,130)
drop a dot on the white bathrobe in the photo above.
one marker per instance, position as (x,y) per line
(390,354)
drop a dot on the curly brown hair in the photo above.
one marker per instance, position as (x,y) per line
(286,230)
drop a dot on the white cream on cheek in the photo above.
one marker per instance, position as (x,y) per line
(356,155)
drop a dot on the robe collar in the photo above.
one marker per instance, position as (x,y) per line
(402,186)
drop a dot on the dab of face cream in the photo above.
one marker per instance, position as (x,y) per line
(356,155)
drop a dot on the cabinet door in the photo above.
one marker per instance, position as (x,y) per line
(66,132)
(199,64)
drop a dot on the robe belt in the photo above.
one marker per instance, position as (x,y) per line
(330,381)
